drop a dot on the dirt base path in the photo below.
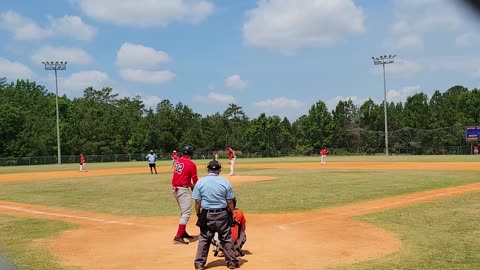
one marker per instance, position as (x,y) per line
(309,240)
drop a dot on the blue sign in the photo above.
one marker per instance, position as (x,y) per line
(472,133)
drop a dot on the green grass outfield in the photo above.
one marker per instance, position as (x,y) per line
(431,233)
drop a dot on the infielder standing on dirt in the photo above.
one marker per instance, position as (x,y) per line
(231,159)
(83,163)
(323,154)
(152,158)
(184,178)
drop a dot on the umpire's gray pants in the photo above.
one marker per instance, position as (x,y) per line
(216,222)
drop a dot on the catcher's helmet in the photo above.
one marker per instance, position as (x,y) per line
(188,150)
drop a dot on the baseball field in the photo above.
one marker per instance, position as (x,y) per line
(396,212)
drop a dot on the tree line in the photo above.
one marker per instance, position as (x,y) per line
(101,123)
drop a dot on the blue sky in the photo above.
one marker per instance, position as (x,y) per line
(273,56)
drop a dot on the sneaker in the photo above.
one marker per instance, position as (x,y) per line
(186,235)
(178,240)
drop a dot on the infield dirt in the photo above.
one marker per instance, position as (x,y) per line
(275,241)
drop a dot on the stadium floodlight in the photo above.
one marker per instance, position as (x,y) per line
(383,61)
(56,66)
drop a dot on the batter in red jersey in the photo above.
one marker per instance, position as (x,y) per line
(183,180)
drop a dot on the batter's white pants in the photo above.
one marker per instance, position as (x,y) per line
(184,200)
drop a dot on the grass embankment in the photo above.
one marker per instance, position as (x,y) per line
(443,234)
(19,238)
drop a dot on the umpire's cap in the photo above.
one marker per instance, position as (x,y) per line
(214,165)
(188,150)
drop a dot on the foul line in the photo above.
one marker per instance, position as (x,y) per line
(388,206)
(19,209)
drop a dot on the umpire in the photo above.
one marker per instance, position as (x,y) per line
(214,197)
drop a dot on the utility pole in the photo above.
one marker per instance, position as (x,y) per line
(383,60)
(56,66)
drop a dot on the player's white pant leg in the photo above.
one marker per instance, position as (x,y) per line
(184,200)
(81,167)
(85,166)
(232,166)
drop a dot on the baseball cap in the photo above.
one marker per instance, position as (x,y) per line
(151,151)
(174,151)
(214,165)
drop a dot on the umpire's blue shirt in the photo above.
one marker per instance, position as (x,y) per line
(151,158)
(213,191)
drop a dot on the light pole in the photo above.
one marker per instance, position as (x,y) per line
(56,66)
(383,60)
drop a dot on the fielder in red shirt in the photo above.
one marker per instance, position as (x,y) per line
(184,179)
(83,163)
(323,153)
(174,156)
(231,159)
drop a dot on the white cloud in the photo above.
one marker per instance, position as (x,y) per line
(417,18)
(402,94)
(136,62)
(24,28)
(139,56)
(145,13)
(235,81)
(286,26)
(399,68)
(74,56)
(77,82)
(215,98)
(145,76)
(151,101)
(282,106)
(13,70)
(74,27)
